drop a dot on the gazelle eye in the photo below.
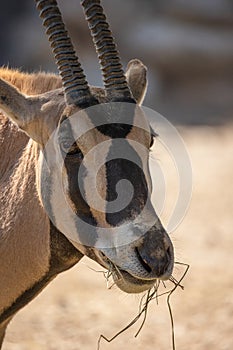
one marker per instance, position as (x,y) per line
(71,149)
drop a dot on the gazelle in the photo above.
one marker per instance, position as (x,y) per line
(33,246)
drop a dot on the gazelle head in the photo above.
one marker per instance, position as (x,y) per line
(89,172)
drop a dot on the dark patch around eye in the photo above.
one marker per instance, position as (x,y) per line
(81,207)
(71,148)
(75,151)
(66,140)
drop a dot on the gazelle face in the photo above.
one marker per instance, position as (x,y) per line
(106,185)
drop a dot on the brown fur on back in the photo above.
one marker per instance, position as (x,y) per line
(31,84)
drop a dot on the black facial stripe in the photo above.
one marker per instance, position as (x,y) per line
(80,206)
(118,169)
(82,209)
(72,165)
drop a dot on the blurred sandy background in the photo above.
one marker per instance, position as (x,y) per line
(187,46)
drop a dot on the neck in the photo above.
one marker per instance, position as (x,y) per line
(24,227)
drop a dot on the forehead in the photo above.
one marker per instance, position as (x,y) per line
(106,121)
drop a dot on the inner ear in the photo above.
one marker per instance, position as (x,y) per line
(136,75)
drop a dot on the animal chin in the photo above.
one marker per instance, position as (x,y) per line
(124,280)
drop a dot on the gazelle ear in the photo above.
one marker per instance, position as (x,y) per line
(14,104)
(136,75)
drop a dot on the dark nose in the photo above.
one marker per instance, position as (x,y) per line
(156,255)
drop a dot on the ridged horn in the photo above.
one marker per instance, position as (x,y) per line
(74,81)
(113,75)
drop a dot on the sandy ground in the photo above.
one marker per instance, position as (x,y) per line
(77,307)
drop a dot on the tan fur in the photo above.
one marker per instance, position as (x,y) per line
(24,249)
(31,84)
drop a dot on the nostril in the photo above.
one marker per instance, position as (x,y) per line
(142,261)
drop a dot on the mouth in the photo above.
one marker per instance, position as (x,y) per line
(130,284)
(124,280)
